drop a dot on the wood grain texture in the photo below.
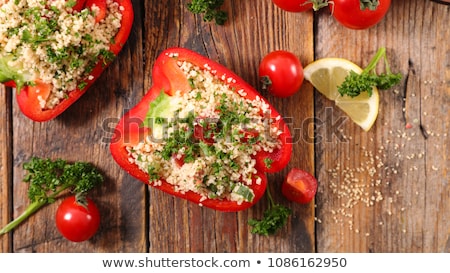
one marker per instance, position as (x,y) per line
(385,190)
(408,167)
(5,165)
(83,133)
(239,45)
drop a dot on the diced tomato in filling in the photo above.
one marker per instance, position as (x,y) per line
(249,135)
(205,129)
(178,159)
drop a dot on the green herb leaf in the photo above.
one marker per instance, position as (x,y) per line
(275,217)
(8,73)
(210,9)
(268,162)
(160,111)
(48,178)
(354,84)
(71,3)
(245,192)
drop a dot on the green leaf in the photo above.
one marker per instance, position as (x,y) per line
(71,3)
(355,83)
(274,219)
(47,178)
(210,9)
(161,110)
(245,192)
(8,73)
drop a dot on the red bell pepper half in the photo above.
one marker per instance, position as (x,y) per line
(28,96)
(168,76)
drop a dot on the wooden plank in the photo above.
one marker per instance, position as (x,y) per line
(407,167)
(82,133)
(254,29)
(5,165)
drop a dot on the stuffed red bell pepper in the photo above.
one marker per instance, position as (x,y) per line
(202,133)
(53,51)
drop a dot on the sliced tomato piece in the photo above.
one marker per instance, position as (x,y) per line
(100,14)
(79,5)
(38,93)
(299,186)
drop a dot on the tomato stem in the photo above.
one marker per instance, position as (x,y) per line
(369,4)
(363,4)
(266,82)
(318,4)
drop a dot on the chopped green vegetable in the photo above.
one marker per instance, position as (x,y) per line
(161,110)
(107,56)
(355,83)
(268,162)
(246,193)
(153,173)
(71,3)
(49,178)
(210,10)
(275,217)
(8,73)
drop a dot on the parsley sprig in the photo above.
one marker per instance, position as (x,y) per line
(211,10)
(275,217)
(49,178)
(356,83)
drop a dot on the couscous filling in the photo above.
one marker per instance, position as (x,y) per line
(49,41)
(208,142)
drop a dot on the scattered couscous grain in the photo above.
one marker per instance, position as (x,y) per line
(366,183)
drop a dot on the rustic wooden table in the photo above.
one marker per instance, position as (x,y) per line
(386,190)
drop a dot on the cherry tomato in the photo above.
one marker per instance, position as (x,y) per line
(293,5)
(281,72)
(349,13)
(299,186)
(76,222)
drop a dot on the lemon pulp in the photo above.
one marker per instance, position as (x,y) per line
(327,74)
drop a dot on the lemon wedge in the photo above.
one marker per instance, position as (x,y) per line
(327,74)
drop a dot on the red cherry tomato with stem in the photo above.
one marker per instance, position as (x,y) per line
(299,186)
(293,5)
(350,15)
(77,222)
(281,73)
